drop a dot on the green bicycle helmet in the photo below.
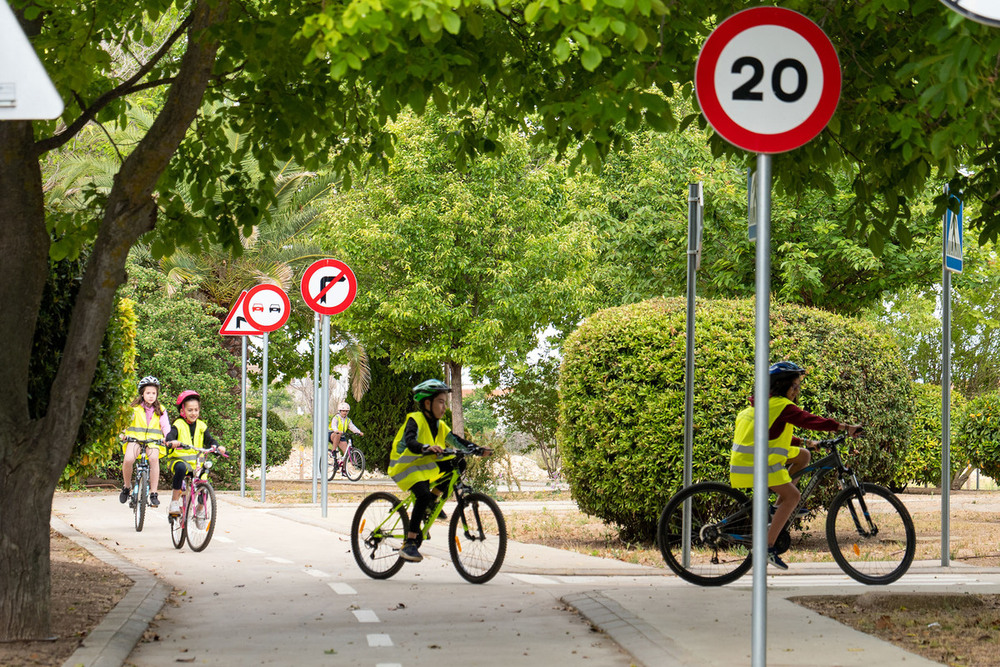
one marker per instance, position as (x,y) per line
(429,389)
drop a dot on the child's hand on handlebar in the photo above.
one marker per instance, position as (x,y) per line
(854,430)
(433,449)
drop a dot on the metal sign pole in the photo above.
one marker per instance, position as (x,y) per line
(695,202)
(945,394)
(325,397)
(318,429)
(243,422)
(263,429)
(762,353)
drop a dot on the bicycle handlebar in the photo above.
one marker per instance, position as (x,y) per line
(205,450)
(830,443)
(142,442)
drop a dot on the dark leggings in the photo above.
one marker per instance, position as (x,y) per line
(425,497)
(180,469)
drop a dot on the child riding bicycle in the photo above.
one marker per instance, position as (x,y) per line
(787,454)
(188,431)
(149,422)
(339,426)
(416,464)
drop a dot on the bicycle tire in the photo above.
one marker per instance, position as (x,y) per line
(331,465)
(717,557)
(139,508)
(878,558)
(354,464)
(477,538)
(178,530)
(377,536)
(199,519)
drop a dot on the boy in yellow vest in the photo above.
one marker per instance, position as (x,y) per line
(188,431)
(415,462)
(786,454)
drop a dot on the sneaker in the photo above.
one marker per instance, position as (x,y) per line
(154,500)
(409,552)
(443,515)
(123,496)
(175,508)
(774,559)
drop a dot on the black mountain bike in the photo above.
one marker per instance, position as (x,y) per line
(477,535)
(141,489)
(868,529)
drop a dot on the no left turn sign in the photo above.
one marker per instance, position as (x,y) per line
(329,286)
(768,80)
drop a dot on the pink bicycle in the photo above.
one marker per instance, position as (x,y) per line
(196,522)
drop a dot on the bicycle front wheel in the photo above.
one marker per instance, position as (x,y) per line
(354,464)
(178,530)
(477,538)
(140,500)
(871,534)
(720,532)
(200,516)
(377,534)
(331,464)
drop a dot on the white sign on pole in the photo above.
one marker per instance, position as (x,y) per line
(983,11)
(26,92)
(236,323)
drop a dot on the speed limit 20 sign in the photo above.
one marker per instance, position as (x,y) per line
(768,80)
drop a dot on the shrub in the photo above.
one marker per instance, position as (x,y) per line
(621,429)
(978,433)
(279,446)
(922,461)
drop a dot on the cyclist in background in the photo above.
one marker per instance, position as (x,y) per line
(415,463)
(787,454)
(149,422)
(339,426)
(188,431)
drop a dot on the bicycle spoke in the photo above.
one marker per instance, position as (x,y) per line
(377,534)
(871,536)
(477,538)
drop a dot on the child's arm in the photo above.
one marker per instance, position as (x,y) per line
(351,426)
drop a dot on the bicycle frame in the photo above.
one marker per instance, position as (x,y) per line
(407,504)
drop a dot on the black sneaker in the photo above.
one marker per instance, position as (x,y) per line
(774,559)
(123,496)
(154,500)
(409,552)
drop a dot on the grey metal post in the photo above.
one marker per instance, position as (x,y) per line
(945,396)
(762,354)
(694,237)
(325,409)
(243,422)
(317,427)
(263,429)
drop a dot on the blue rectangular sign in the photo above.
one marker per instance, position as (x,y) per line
(953,238)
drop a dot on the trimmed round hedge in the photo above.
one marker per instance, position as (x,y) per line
(978,433)
(922,461)
(621,431)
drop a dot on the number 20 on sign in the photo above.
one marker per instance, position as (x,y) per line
(768,80)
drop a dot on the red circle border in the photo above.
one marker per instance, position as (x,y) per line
(256,289)
(314,304)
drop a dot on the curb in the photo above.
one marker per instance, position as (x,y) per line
(111,642)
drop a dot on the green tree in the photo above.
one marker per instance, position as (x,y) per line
(528,401)
(459,269)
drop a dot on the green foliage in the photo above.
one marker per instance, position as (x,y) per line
(979,433)
(113,385)
(922,461)
(486,473)
(382,410)
(478,412)
(622,385)
(279,446)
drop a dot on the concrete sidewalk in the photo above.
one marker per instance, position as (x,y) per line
(652,615)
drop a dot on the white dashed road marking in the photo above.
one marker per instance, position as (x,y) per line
(342,589)
(379,641)
(251,550)
(319,574)
(276,559)
(366,616)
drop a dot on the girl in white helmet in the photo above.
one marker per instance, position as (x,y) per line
(149,422)
(339,426)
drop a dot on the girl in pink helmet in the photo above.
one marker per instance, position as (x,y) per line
(188,431)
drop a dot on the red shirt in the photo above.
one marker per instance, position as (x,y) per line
(796,416)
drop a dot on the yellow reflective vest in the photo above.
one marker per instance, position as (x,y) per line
(741,459)
(407,468)
(140,429)
(189,456)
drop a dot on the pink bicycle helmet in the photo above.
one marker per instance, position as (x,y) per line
(186,394)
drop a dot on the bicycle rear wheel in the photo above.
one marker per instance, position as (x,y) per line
(377,534)
(139,502)
(871,534)
(200,516)
(477,538)
(720,531)
(354,464)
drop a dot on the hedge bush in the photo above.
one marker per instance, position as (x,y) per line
(922,461)
(621,429)
(978,433)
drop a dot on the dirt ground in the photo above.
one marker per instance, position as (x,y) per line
(84,590)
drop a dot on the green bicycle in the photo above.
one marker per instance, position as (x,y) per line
(477,534)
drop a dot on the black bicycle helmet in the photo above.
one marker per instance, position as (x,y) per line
(148,381)
(429,389)
(782,367)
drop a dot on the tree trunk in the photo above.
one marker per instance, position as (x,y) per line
(454,370)
(34,450)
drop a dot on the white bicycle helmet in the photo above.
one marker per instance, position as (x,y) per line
(344,406)
(147,381)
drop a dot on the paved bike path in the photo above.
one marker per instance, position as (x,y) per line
(308,601)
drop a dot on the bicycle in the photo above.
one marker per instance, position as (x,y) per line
(868,529)
(139,497)
(477,534)
(351,463)
(196,521)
